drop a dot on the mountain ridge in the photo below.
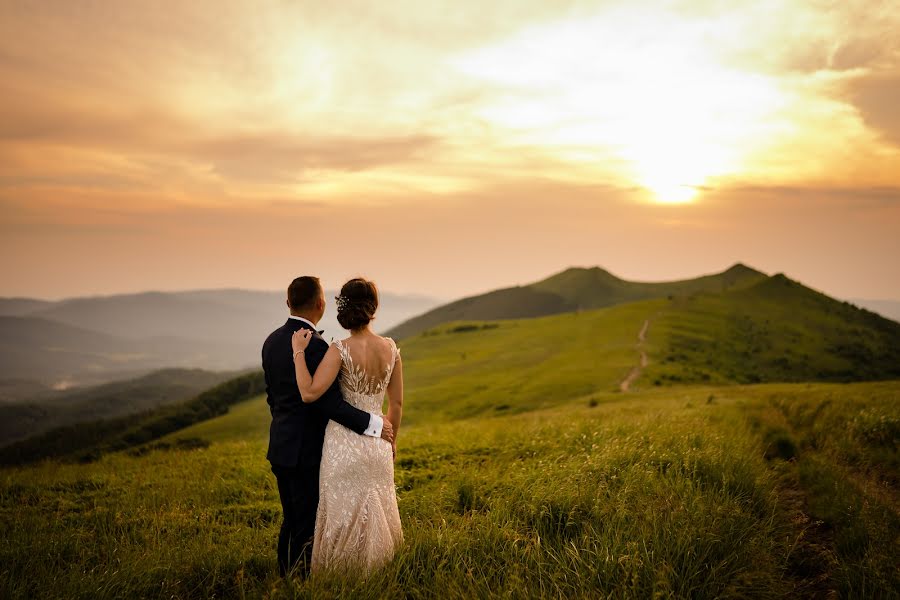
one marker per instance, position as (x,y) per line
(575,288)
(776,329)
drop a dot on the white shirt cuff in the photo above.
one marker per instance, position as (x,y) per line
(375,425)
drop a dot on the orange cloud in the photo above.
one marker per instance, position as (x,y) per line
(484,143)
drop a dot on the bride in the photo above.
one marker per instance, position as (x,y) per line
(357,522)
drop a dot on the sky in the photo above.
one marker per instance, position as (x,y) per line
(446,148)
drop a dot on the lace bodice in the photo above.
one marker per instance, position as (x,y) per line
(363,390)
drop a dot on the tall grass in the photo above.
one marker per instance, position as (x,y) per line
(659,495)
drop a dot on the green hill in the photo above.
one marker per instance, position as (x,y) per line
(573,289)
(771,330)
(523,470)
(455,371)
(774,330)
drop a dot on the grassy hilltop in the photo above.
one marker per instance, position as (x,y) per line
(725,470)
(573,289)
(775,330)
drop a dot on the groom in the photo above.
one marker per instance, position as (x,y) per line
(298,429)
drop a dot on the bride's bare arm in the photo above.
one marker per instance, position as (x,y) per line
(395,398)
(312,387)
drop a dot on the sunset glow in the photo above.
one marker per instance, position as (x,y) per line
(645,88)
(132,139)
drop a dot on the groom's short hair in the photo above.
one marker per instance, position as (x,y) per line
(303,292)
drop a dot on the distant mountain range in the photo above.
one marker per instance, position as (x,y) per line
(91,340)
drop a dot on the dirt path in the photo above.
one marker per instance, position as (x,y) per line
(812,558)
(636,371)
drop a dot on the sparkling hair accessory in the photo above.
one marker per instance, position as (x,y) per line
(342,302)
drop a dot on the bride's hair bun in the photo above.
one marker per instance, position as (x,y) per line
(357,303)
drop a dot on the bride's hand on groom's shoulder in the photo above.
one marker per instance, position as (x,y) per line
(300,339)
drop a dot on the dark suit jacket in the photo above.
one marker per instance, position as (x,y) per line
(298,430)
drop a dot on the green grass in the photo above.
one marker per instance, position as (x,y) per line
(521,365)
(666,492)
(247,421)
(522,472)
(845,456)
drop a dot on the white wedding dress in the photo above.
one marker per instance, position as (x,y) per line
(357,522)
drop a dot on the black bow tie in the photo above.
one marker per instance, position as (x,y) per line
(321,331)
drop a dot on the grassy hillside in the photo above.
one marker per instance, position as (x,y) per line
(695,491)
(48,409)
(461,370)
(524,471)
(464,369)
(768,331)
(571,290)
(774,330)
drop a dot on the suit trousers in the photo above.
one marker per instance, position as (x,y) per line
(298,488)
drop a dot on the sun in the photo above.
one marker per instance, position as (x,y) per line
(672,193)
(635,96)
